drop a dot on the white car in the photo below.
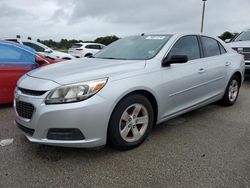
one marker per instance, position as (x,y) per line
(41,48)
(241,43)
(85,49)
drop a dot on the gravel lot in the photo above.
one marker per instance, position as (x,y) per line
(209,147)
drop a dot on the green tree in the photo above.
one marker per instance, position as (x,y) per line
(106,40)
(227,35)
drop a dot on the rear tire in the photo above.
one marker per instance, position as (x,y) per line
(131,122)
(232,92)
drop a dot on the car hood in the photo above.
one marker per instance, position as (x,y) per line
(85,69)
(240,44)
(56,54)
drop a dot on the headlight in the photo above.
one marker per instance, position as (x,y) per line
(75,92)
(239,50)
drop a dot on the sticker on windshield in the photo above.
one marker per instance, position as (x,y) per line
(155,37)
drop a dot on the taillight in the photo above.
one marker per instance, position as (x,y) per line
(79,49)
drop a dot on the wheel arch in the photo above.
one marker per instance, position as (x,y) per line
(146,93)
(239,75)
(88,54)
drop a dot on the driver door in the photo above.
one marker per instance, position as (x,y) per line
(184,84)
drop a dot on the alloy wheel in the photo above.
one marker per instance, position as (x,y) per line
(134,122)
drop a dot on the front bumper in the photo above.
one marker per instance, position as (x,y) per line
(91,117)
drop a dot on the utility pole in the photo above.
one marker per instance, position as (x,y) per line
(203,15)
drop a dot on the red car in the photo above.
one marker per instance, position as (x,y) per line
(15,61)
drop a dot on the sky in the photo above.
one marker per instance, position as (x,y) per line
(89,19)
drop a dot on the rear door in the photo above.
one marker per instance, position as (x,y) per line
(14,62)
(217,63)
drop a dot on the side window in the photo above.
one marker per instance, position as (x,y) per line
(88,46)
(188,46)
(11,55)
(34,46)
(12,40)
(93,46)
(222,49)
(98,47)
(210,46)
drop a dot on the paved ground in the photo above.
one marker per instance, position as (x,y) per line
(209,147)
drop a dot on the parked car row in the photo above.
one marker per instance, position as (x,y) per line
(15,61)
(19,56)
(41,48)
(78,50)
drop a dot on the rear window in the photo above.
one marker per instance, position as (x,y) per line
(76,46)
(211,47)
(93,46)
(13,40)
(11,55)
(34,46)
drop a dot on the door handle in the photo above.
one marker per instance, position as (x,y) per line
(201,70)
(228,63)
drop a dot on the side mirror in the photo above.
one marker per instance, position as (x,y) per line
(174,59)
(47,50)
(227,40)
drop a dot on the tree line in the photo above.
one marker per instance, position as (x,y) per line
(66,44)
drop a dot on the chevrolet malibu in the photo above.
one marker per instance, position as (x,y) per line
(117,95)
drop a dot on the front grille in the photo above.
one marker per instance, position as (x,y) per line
(65,134)
(246,56)
(246,50)
(24,110)
(26,130)
(31,92)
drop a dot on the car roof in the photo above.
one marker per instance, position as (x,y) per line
(17,45)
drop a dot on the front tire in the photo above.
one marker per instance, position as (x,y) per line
(130,122)
(232,92)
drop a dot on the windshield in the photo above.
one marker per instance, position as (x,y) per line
(244,36)
(134,48)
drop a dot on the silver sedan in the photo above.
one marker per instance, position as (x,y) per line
(118,95)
